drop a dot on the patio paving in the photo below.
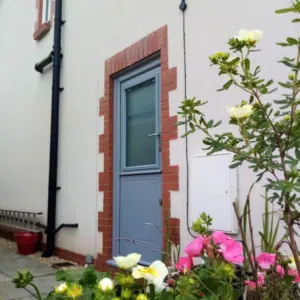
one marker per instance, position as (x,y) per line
(10,263)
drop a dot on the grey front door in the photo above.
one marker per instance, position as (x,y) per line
(137,163)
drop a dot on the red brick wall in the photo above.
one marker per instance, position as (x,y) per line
(156,42)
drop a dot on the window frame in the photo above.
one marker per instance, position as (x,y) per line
(43,21)
(153,74)
(46,11)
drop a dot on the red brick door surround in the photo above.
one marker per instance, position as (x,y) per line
(156,42)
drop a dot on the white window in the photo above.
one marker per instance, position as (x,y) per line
(46,11)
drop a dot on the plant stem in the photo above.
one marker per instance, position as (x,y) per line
(36,290)
(293,244)
(294,106)
(243,235)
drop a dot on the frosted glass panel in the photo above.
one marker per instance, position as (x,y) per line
(140,122)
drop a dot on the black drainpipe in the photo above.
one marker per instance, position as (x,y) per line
(54,57)
(52,181)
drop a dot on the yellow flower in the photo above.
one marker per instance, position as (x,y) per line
(154,274)
(127,262)
(240,112)
(60,289)
(252,36)
(74,290)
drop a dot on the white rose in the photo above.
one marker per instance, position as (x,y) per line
(127,262)
(240,112)
(106,285)
(154,274)
(250,35)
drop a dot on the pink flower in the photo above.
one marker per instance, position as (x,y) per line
(184,264)
(260,281)
(232,251)
(266,260)
(195,248)
(280,270)
(220,237)
(251,284)
(260,278)
(295,274)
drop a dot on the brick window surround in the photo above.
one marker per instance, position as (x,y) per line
(40,28)
(156,42)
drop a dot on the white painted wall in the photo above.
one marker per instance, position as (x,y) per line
(209,26)
(96,30)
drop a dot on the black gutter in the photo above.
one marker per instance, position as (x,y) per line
(52,183)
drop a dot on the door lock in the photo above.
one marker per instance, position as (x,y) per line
(160,201)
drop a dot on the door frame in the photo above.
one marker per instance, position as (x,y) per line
(118,169)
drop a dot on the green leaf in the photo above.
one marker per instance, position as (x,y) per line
(226,86)
(210,123)
(283,44)
(62,275)
(292,41)
(217,124)
(297,153)
(275,233)
(181,123)
(235,165)
(296,20)
(192,126)
(264,90)
(286,10)
(247,64)
(285,85)
(89,276)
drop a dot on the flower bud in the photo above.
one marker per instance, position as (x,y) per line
(126,294)
(60,289)
(141,297)
(292,76)
(105,285)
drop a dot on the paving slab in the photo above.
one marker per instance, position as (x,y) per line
(4,278)
(45,284)
(27,298)
(10,263)
(10,266)
(8,291)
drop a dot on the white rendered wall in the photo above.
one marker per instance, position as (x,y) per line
(95,30)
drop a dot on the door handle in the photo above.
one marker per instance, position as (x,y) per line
(157,134)
(160,201)
(154,134)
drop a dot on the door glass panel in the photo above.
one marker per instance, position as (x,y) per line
(140,122)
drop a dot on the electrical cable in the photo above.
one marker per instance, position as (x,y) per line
(183,7)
